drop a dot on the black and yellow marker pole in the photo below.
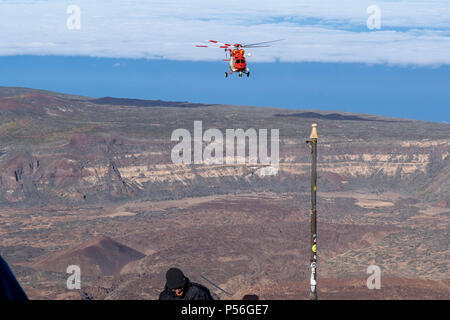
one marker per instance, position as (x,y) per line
(313,142)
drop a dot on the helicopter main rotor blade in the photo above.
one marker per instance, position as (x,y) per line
(203,46)
(220,43)
(258,43)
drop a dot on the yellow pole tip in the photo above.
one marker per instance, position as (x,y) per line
(314,134)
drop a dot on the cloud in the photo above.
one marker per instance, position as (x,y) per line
(412,32)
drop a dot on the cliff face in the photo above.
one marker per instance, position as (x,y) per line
(65,150)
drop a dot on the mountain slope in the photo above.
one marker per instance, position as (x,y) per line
(58,148)
(70,167)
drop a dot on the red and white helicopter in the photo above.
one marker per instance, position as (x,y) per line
(237,54)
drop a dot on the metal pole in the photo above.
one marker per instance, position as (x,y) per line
(215,285)
(313,260)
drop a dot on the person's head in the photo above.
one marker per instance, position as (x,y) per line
(176,282)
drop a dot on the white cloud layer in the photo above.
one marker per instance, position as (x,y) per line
(412,32)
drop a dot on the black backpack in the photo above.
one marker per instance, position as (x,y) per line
(10,289)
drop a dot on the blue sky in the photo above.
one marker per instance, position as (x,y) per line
(330,58)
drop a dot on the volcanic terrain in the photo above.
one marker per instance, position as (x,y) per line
(91,182)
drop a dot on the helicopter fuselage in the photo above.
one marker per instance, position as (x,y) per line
(237,61)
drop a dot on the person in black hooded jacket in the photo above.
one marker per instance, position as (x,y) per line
(178,287)
(10,289)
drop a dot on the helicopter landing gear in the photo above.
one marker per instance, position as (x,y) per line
(240,74)
(226,74)
(248,74)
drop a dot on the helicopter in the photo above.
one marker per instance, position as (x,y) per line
(237,54)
